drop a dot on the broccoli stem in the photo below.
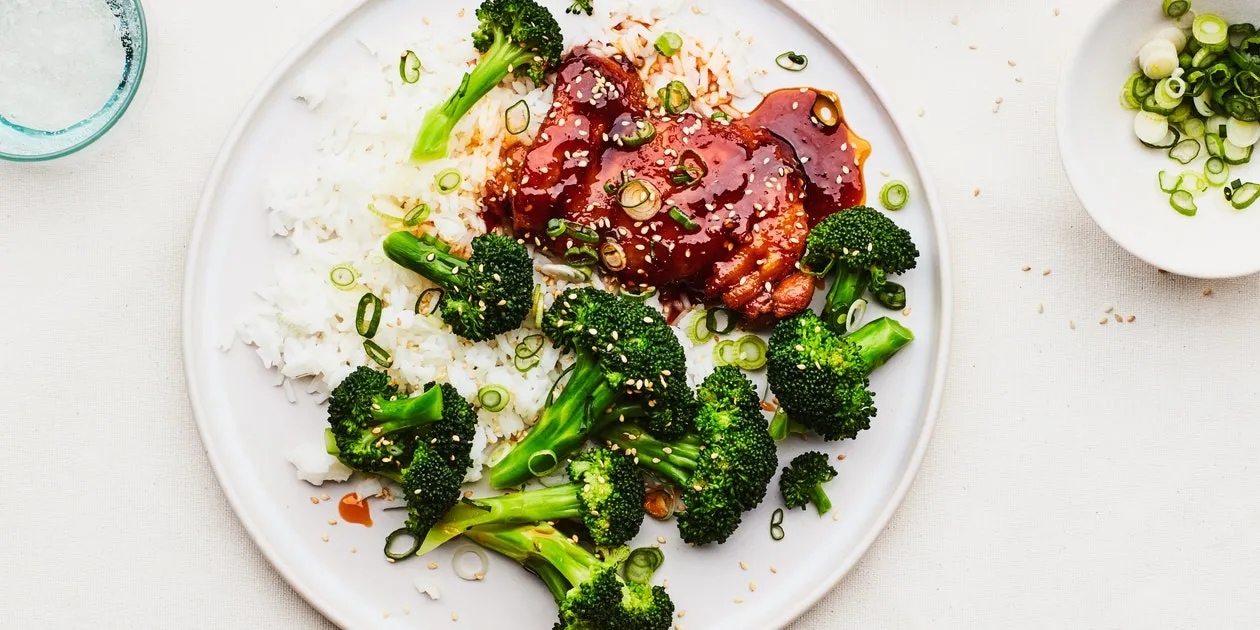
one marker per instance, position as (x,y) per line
(547,504)
(401,414)
(848,286)
(530,545)
(675,461)
(550,576)
(435,131)
(879,340)
(819,497)
(425,259)
(563,427)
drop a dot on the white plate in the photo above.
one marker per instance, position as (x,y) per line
(248,426)
(1116,178)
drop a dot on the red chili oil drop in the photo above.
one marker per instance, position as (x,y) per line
(355,510)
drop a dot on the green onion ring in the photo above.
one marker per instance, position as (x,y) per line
(726,352)
(581,256)
(643,296)
(1176,8)
(807,267)
(524,365)
(516,117)
(750,352)
(682,219)
(711,321)
(791,61)
(552,392)
(720,116)
(395,535)
(367,327)
(642,563)
(555,227)
(344,276)
(448,181)
(409,67)
(581,232)
(538,460)
(894,195)
(675,97)
(1244,196)
(698,331)
(669,43)
(493,397)
(433,307)
(776,524)
(523,349)
(644,131)
(378,354)
(417,215)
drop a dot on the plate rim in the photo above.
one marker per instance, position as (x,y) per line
(1075,176)
(336,614)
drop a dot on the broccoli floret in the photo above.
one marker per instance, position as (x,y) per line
(605,492)
(373,424)
(514,37)
(723,467)
(802,481)
(581,6)
(597,597)
(627,357)
(863,246)
(820,377)
(488,294)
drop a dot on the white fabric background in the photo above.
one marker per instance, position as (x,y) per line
(1102,477)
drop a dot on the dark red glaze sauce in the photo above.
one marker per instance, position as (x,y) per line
(355,510)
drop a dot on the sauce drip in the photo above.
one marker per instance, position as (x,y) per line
(355,510)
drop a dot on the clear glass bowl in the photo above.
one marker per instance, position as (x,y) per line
(22,144)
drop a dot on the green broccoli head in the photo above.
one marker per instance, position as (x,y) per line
(802,481)
(606,602)
(432,488)
(486,295)
(374,425)
(819,377)
(581,6)
(864,246)
(611,493)
(527,33)
(451,437)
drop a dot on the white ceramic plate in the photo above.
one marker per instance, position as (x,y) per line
(1116,178)
(248,426)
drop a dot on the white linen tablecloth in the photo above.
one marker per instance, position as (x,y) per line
(1097,477)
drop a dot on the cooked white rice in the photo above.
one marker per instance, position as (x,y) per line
(330,212)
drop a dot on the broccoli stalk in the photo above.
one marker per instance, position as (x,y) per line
(802,482)
(821,378)
(596,597)
(723,467)
(863,246)
(605,492)
(486,295)
(514,37)
(629,363)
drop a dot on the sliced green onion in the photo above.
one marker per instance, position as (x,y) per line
(682,219)
(640,199)
(529,347)
(524,365)
(582,255)
(542,463)
(409,67)
(644,131)
(1203,58)
(344,277)
(750,352)
(1244,196)
(894,195)
(857,313)
(395,535)
(1194,128)
(1214,143)
(891,295)
(555,227)
(377,354)
(417,215)
(362,323)
(691,168)
(516,117)
(1192,182)
(1176,8)
(1183,202)
(807,265)
(493,397)
(1234,154)
(698,331)
(1171,89)
(1216,171)
(792,61)
(726,352)
(825,111)
(1168,181)
(1126,94)
(1142,86)
(641,296)
(581,232)
(720,116)
(711,320)
(675,97)
(1185,151)
(538,306)
(432,306)
(613,255)
(1211,32)
(462,570)
(448,181)
(669,43)
(1242,29)
(642,563)
(435,242)
(776,524)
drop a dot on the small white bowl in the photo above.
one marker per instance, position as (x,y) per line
(1116,178)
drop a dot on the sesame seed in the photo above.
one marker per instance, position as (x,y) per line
(739,600)
(433,566)
(324,537)
(314,499)
(454,616)
(1072,324)
(332,521)
(752,587)
(1045,272)
(1207,291)
(743,565)
(660,539)
(773,569)
(1026,268)
(1103,321)
(325,498)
